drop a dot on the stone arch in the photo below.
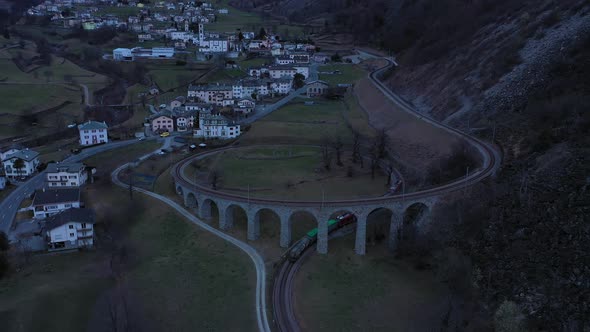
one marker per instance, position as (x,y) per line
(209,210)
(415,216)
(383,226)
(231,214)
(260,225)
(190,201)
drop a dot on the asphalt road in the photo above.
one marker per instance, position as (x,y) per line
(10,204)
(260,304)
(264,110)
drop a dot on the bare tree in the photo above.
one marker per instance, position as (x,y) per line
(381,141)
(326,154)
(374,155)
(356,147)
(131,172)
(390,168)
(214,178)
(143,99)
(48,74)
(337,145)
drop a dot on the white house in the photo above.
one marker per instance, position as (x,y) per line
(93,132)
(163,52)
(282,71)
(216,126)
(123,54)
(317,88)
(284,60)
(246,88)
(30,160)
(66,174)
(244,105)
(281,86)
(48,202)
(214,45)
(73,228)
(8,150)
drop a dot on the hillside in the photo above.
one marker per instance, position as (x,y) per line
(516,71)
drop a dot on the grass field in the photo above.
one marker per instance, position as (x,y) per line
(348,74)
(50,287)
(16,99)
(344,292)
(238,19)
(168,76)
(297,123)
(41,89)
(288,172)
(182,276)
(254,62)
(178,276)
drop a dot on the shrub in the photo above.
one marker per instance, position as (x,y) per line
(508,318)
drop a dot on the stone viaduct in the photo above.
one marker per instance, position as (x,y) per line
(205,200)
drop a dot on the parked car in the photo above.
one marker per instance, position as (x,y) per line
(165,134)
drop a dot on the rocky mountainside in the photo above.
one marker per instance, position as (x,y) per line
(516,71)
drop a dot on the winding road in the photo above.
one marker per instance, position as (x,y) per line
(261,308)
(11,203)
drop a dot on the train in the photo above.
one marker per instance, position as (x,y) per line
(297,249)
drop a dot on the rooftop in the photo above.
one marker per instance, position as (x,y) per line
(26,155)
(49,196)
(64,167)
(71,215)
(91,125)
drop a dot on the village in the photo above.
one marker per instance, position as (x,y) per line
(208,111)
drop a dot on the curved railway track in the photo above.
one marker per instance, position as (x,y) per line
(282,290)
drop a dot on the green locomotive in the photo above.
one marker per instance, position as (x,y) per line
(297,249)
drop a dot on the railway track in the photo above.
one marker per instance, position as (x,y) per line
(282,290)
(282,294)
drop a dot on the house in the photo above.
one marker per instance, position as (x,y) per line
(211,93)
(281,71)
(281,86)
(8,150)
(321,58)
(177,102)
(163,52)
(284,60)
(162,122)
(66,174)
(191,106)
(73,228)
(2,182)
(185,119)
(30,161)
(303,70)
(144,37)
(317,88)
(214,45)
(123,54)
(93,132)
(244,106)
(48,202)
(248,88)
(216,126)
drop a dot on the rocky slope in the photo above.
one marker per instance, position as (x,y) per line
(516,71)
